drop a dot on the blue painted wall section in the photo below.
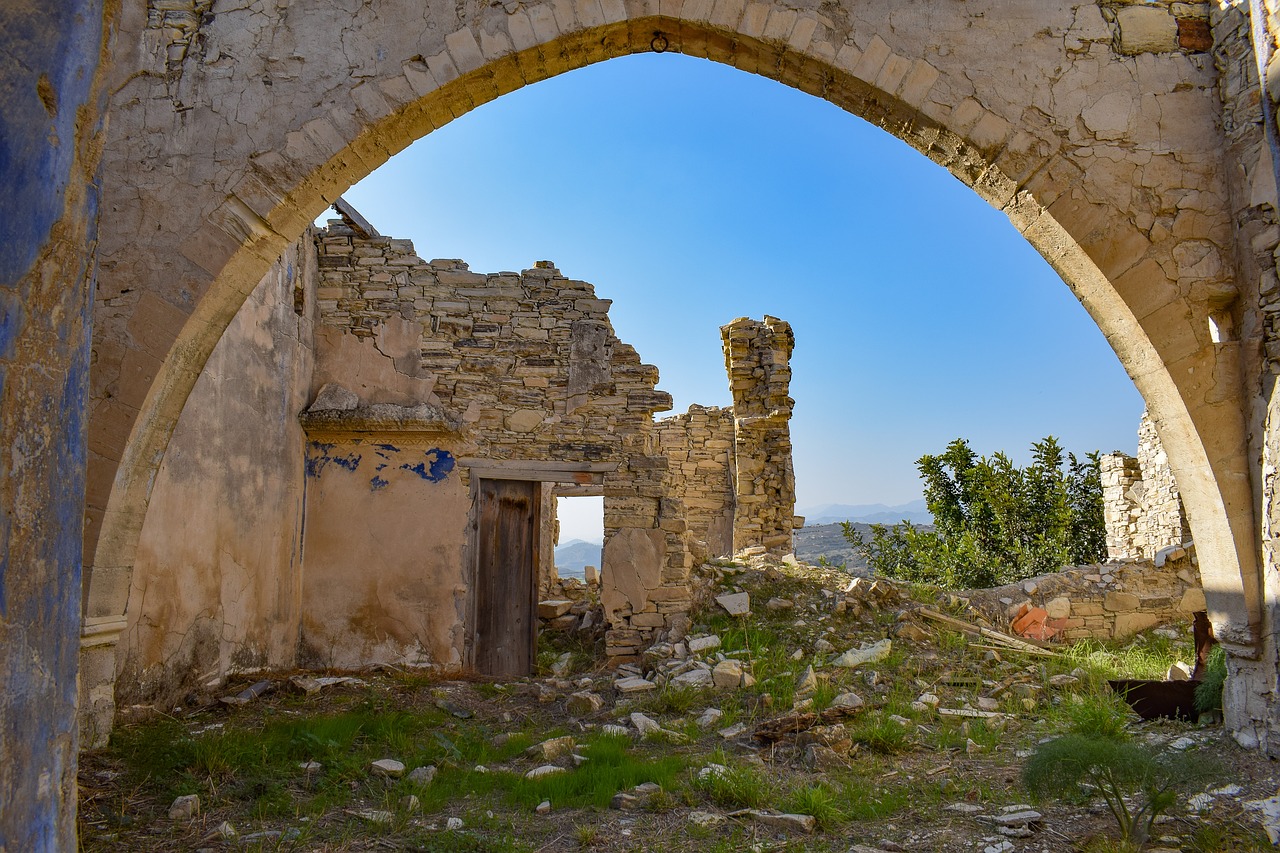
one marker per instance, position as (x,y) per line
(48,218)
(435,466)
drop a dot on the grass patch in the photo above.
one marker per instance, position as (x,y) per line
(735,787)
(878,733)
(818,800)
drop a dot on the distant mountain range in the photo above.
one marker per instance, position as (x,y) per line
(575,555)
(916,512)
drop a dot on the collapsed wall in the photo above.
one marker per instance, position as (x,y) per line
(758,358)
(1141,505)
(356,533)
(699,446)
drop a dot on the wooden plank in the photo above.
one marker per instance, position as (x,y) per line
(582,478)
(506,587)
(995,636)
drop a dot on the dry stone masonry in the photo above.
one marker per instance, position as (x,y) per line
(700,451)
(1143,510)
(757,355)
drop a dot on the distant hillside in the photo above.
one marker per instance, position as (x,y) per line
(575,555)
(915,512)
(826,541)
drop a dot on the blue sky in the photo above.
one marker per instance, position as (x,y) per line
(691,193)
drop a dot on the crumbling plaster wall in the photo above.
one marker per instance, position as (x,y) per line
(52,103)
(507,369)
(218,579)
(1141,505)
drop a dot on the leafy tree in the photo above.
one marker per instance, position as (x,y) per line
(994,523)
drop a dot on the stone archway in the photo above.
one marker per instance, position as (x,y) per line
(230,130)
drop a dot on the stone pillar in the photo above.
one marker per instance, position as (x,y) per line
(758,358)
(1164,522)
(48,74)
(1121,504)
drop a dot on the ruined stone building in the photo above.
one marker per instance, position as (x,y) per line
(1142,507)
(407,516)
(161,157)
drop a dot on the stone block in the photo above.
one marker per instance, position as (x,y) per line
(1120,602)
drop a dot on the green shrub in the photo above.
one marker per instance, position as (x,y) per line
(994,523)
(1137,783)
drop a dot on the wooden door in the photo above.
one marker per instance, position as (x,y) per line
(506,578)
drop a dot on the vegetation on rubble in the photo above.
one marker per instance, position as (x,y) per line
(1137,782)
(907,764)
(994,523)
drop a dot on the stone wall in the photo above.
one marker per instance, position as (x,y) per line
(1107,602)
(699,446)
(758,358)
(513,368)
(218,578)
(1142,507)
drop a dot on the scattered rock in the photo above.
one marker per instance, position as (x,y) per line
(553,748)
(410,803)
(709,718)
(699,818)
(727,674)
(222,832)
(544,807)
(963,808)
(614,730)
(794,822)
(820,757)
(735,603)
(583,702)
(866,654)
(423,775)
(1063,680)
(778,604)
(634,684)
(732,731)
(248,694)
(624,801)
(645,724)
(698,645)
(553,608)
(372,815)
(694,678)
(387,767)
(807,683)
(712,771)
(561,666)
(185,807)
(544,771)
(312,686)
(454,824)
(310,766)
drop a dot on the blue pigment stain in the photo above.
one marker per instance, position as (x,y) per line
(390,447)
(435,467)
(377,483)
(320,456)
